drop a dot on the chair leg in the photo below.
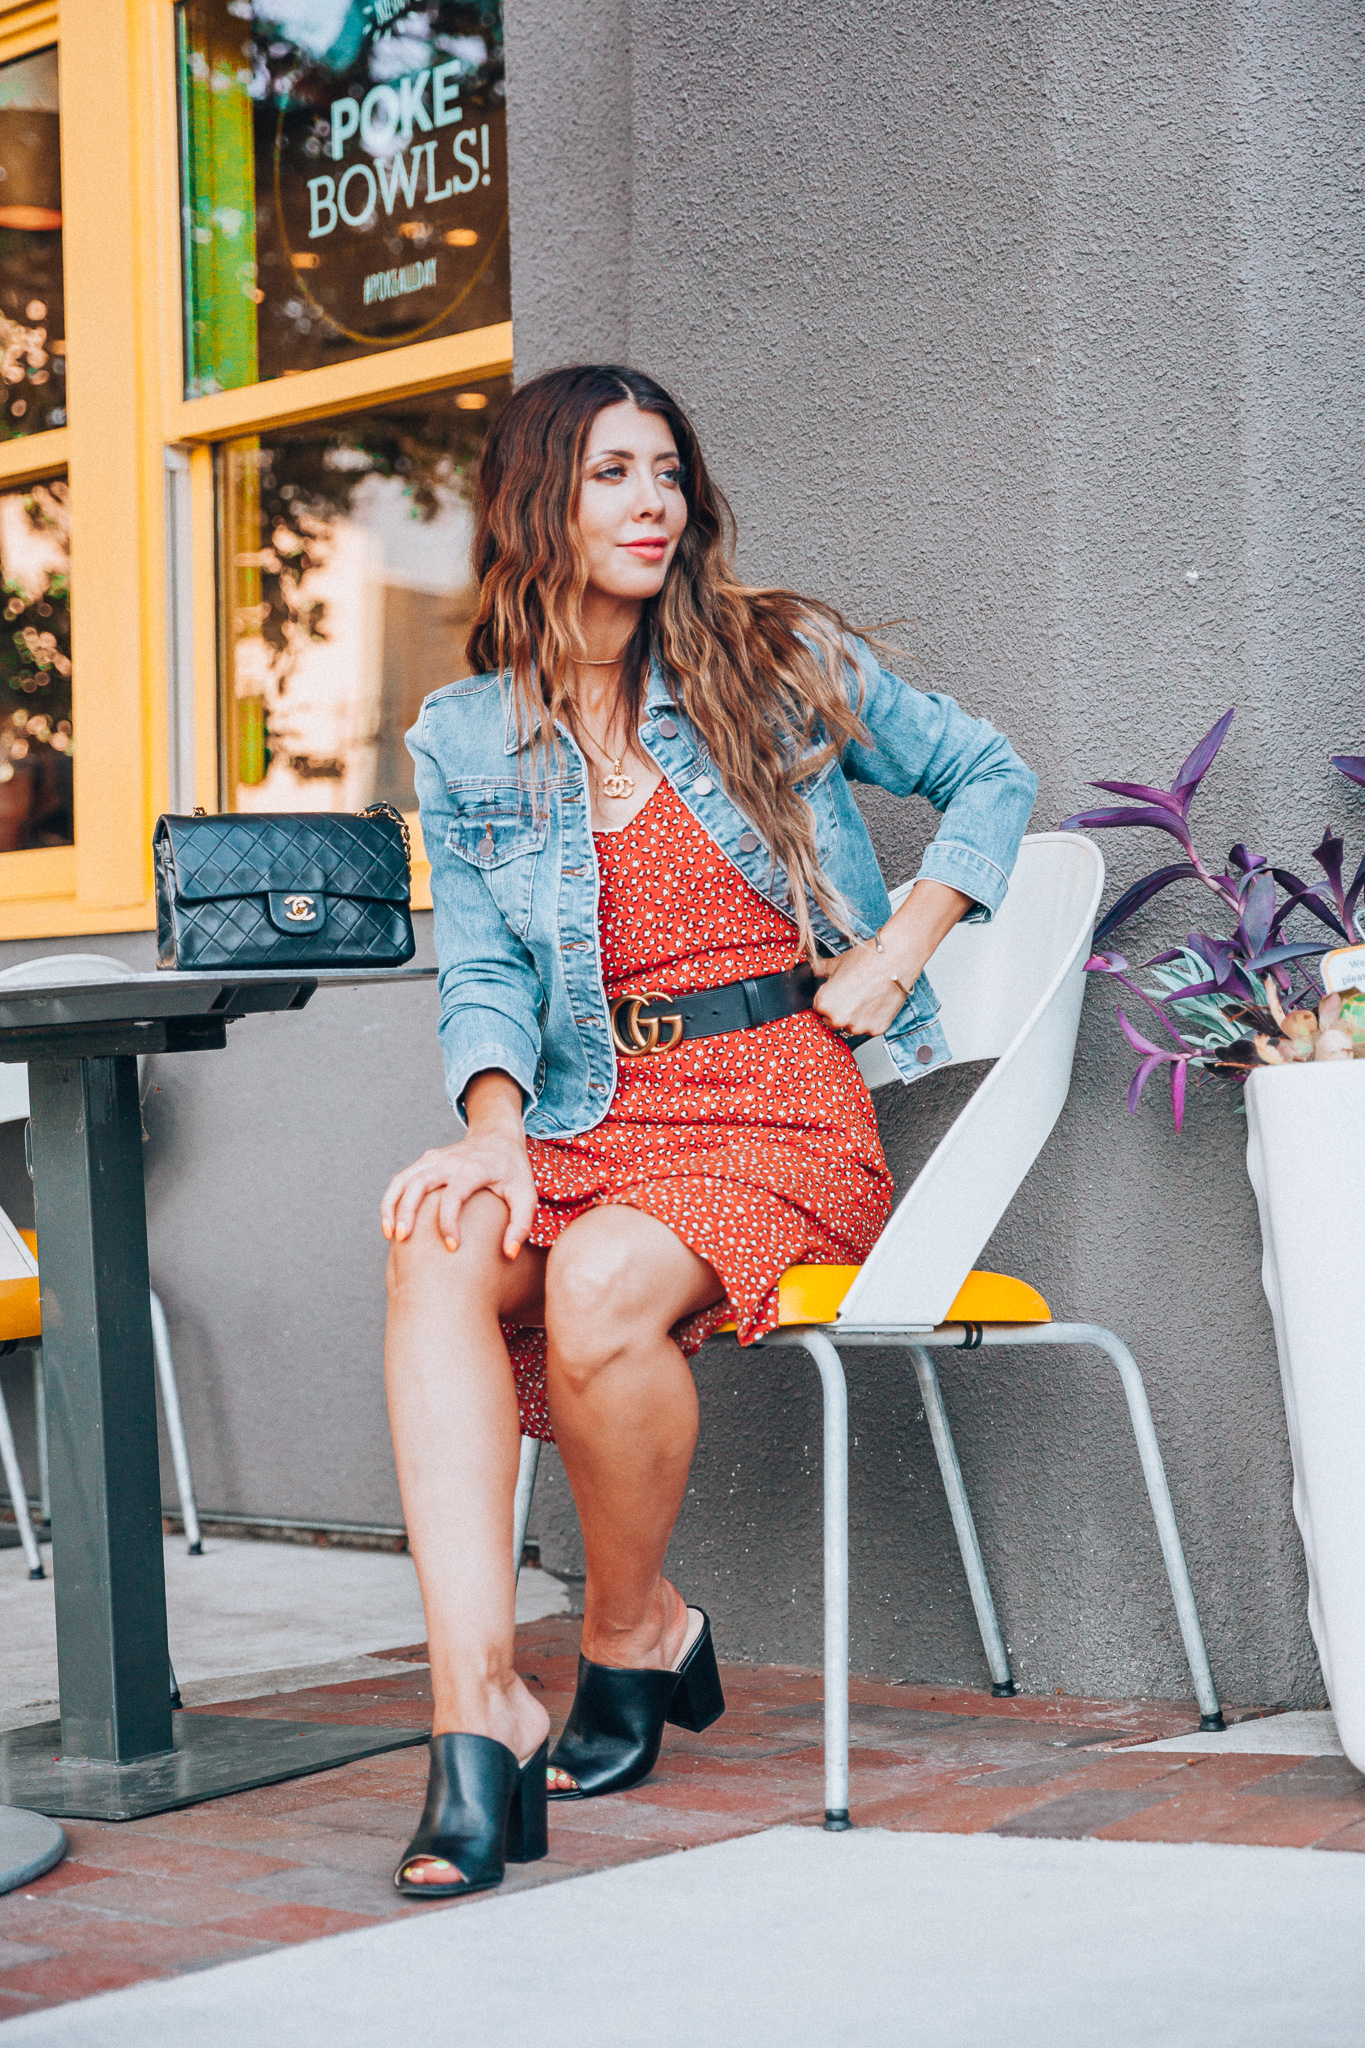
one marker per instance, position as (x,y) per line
(521,1504)
(14,1480)
(40,1431)
(175,1427)
(964,1526)
(1163,1513)
(835,1396)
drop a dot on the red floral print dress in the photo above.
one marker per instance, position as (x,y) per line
(758,1148)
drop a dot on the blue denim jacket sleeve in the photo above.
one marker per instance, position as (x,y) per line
(489,989)
(921,743)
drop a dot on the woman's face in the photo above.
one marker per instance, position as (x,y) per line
(631,508)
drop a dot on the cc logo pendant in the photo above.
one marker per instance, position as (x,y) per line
(618,784)
(300,909)
(632,1034)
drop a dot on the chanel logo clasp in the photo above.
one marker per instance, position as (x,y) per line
(300,909)
(633,1034)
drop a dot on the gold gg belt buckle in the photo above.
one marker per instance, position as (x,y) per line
(632,1035)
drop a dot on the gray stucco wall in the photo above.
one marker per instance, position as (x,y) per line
(1000,321)
(997,321)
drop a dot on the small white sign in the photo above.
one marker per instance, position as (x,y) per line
(1343,969)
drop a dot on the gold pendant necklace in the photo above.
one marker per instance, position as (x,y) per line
(618,783)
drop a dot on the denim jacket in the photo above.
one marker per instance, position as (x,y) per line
(514,876)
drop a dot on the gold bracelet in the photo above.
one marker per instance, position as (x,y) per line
(901,986)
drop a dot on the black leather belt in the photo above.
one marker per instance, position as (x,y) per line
(654,1022)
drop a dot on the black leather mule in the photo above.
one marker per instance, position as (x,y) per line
(484,1810)
(616,1724)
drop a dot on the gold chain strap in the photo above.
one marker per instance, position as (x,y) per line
(386,810)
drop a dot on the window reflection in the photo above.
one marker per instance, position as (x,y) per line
(35,668)
(347,596)
(32,321)
(344,180)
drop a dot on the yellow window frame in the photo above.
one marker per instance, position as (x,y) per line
(126,408)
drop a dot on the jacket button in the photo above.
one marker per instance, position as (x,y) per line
(749,842)
(703,787)
(924,1054)
(667,729)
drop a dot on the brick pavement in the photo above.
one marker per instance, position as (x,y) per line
(288,1863)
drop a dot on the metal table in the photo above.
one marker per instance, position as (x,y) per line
(119,1750)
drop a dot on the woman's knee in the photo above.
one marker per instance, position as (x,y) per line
(423,1271)
(596,1309)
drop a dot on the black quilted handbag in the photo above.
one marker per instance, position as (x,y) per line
(246,890)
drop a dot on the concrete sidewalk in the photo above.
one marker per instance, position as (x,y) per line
(797,1937)
(245,1618)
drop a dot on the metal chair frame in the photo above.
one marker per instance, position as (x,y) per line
(824,1345)
(175,1431)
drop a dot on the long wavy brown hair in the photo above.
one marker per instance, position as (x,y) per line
(760,673)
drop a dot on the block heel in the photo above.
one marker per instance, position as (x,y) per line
(698,1699)
(528,1837)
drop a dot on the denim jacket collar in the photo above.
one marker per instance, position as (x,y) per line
(658,697)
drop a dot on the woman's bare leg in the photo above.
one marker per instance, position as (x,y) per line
(624,1409)
(453,1411)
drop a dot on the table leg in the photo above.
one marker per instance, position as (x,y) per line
(123,1753)
(112,1658)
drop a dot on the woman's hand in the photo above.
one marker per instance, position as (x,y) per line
(493,1156)
(860,996)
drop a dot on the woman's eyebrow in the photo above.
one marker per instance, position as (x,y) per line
(628,455)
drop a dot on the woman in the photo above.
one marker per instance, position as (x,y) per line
(658,918)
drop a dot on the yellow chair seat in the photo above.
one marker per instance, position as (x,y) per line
(21,1317)
(812,1294)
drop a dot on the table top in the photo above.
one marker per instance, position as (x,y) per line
(144,998)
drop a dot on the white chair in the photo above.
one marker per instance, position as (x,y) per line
(19,1319)
(1010,992)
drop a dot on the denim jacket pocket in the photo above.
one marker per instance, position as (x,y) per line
(496,829)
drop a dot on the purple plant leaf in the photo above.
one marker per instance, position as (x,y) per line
(1328,855)
(1257,913)
(1106,963)
(1140,893)
(1142,1077)
(1217,952)
(1201,760)
(1242,857)
(1303,897)
(1353,894)
(1138,1042)
(1164,821)
(1143,794)
(1276,955)
(1238,983)
(1179,1069)
(1350,764)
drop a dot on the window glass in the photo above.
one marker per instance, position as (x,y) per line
(32,326)
(35,668)
(344,180)
(346,596)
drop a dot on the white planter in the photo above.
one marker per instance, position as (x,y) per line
(1306,1158)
